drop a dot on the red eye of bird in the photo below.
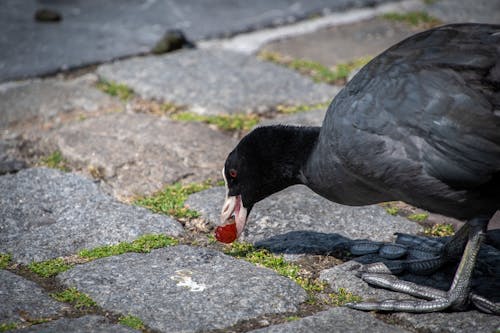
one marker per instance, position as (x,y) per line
(233,173)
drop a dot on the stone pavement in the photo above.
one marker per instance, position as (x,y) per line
(78,253)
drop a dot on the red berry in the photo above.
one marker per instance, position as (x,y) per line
(226,233)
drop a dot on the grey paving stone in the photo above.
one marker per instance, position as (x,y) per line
(185,289)
(212,81)
(44,100)
(306,118)
(335,320)
(142,153)
(343,43)
(22,299)
(45,213)
(85,324)
(297,220)
(457,322)
(95,31)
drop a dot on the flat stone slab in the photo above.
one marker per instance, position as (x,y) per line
(44,100)
(143,153)
(85,324)
(297,220)
(451,11)
(23,299)
(45,213)
(185,289)
(334,320)
(116,28)
(213,81)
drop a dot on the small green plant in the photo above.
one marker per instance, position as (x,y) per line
(391,210)
(290,109)
(418,217)
(75,297)
(418,19)
(5,259)
(50,267)
(235,122)
(171,200)
(4,327)
(55,161)
(119,90)
(342,297)
(292,318)
(132,321)
(143,244)
(440,230)
(317,71)
(263,257)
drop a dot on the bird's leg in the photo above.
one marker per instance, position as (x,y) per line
(457,297)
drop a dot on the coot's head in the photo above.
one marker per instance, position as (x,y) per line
(265,161)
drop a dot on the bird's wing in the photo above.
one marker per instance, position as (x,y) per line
(428,108)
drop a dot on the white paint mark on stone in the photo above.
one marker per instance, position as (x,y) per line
(184,279)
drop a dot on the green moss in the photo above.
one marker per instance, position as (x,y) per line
(342,297)
(4,327)
(143,244)
(78,299)
(235,122)
(392,210)
(132,321)
(318,72)
(440,230)
(418,217)
(263,257)
(50,267)
(119,90)
(292,318)
(301,108)
(171,200)
(416,19)
(5,259)
(55,161)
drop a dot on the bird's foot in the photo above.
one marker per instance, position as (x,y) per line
(429,299)
(424,256)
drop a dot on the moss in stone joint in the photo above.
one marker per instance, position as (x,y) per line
(291,109)
(119,90)
(342,297)
(78,299)
(55,161)
(418,217)
(171,200)
(318,72)
(50,267)
(236,122)
(143,244)
(132,321)
(417,19)
(5,260)
(440,230)
(4,327)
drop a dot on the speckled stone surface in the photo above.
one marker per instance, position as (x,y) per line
(185,289)
(214,81)
(45,213)
(335,320)
(23,299)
